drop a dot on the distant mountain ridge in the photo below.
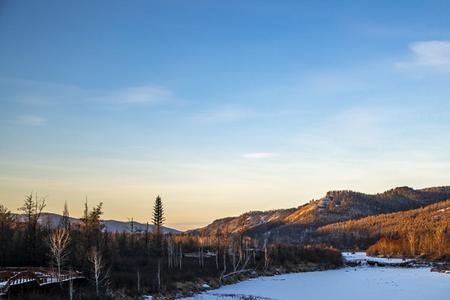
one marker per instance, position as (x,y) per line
(53,220)
(335,206)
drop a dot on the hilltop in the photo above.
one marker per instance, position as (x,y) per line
(335,206)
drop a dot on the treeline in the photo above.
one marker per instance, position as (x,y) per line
(135,263)
(419,232)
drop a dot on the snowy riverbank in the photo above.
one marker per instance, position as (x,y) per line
(362,256)
(369,283)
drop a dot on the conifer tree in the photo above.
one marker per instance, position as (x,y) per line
(65,220)
(158,221)
(32,208)
(7,220)
(158,216)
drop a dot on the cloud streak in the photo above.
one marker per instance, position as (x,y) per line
(41,93)
(224,115)
(140,95)
(258,155)
(31,120)
(429,54)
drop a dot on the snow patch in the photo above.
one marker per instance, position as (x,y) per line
(363,257)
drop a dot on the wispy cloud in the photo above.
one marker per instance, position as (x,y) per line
(224,115)
(230,114)
(258,155)
(40,93)
(139,95)
(31,120)
(429,54)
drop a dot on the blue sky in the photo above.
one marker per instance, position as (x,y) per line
(220,106)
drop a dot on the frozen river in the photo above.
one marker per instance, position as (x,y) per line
(369,283)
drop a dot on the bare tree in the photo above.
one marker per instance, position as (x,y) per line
(59,241)
(131,224)
(146,237)
(266,255)
(158,274)
(180,255)
(218,238)
(412,241)
(71,289)
(225,239)
(138,273)
(439,239)
(233,248)
(99,271)
(132,229)
(170,251)
(174,252)
(201,243)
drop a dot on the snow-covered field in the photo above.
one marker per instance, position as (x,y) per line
(368,283)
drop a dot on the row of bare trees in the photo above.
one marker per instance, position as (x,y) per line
(411,242)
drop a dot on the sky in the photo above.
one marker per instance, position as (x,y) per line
(220,107)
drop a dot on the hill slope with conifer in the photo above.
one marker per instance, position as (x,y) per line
(335,206)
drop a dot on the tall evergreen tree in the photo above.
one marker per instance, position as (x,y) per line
(158,221)
(65,220)
(158,215)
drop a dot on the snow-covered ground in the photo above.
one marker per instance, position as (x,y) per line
(362,257)
(368,283)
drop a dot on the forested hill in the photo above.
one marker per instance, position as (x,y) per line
(335,206)
(417,231)
(245,221)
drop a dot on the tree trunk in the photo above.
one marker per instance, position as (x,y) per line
(71,288)
(138,281)
(159,274)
